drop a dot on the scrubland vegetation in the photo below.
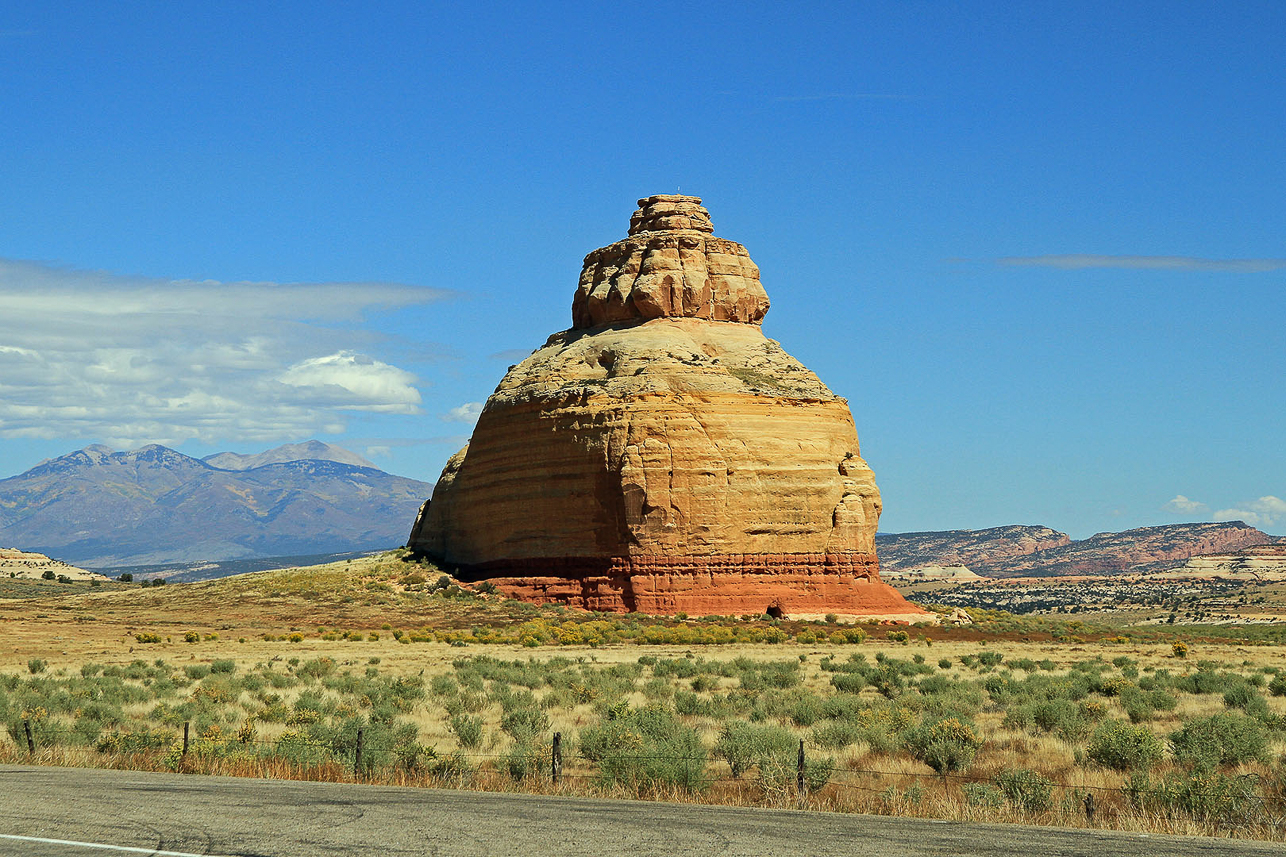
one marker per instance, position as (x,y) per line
(1046,720)
(1191,747)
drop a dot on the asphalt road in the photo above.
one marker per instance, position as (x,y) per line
(60,812)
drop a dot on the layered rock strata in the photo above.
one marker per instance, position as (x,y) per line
(663,455)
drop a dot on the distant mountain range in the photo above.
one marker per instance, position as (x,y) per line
(100,508)
(1035,551)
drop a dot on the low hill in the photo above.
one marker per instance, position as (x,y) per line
(100,508)
(1035,551)
(24,564)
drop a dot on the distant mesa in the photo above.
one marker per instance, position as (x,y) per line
(1259,562)
(1036,551)
(101,508)
(662,454)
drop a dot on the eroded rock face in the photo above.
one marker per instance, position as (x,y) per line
(663,455)
(670,266)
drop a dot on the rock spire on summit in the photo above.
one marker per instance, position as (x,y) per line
(669,266)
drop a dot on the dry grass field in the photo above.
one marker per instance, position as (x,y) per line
(1060,722)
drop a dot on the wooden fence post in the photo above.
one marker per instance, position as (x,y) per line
(31,745)
(800,785)
(357,757)
(556,759)
(186,724)
(1089,806)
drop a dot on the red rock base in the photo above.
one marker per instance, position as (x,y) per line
(786,585)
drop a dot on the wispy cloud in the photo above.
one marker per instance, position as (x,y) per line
(1268,511)
(1183,505)
(466,413)
(844,96)
(124,359)
(1078,261)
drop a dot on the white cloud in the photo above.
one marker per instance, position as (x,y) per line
(1267,511)
(128,360)
(1075,261)
(356,382)
(466,413)
(1183,505)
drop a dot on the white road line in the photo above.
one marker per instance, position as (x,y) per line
(100,846)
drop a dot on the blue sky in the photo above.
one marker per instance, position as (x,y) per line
(1039,248)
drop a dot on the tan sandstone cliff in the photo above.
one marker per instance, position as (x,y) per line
(663,455)
(17,563)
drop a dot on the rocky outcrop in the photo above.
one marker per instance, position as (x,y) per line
(663,455)
(1018,551)
(670,266)
(16,563)
(1261,563)
(1144,549)
(976,549)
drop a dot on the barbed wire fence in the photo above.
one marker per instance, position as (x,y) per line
(1085,803)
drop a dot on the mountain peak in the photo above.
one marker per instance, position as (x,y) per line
(154,505)
(310,450)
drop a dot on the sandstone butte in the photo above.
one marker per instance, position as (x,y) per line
(663,455)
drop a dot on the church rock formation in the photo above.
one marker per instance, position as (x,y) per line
(663,455)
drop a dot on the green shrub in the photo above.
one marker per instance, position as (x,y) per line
(778,773)
(646,747)
(1124,747)
(36,666)
(1203,795)
(523,760)
(317,668)
(983,795)
(1246,698)
(773,753)
(742,744)
(946,745)
(301,749)
(1024,789)
(1062,717)
(836,735)
(807,710)
(132,741)
(467,730)
(1220,739)
(225,666)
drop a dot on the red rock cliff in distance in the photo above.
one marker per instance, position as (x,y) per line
(663,455)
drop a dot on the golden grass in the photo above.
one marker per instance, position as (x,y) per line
(369,595)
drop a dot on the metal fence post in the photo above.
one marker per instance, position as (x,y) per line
(800,785)
(31,745)
(357,757)
(556,759)
(185,739)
